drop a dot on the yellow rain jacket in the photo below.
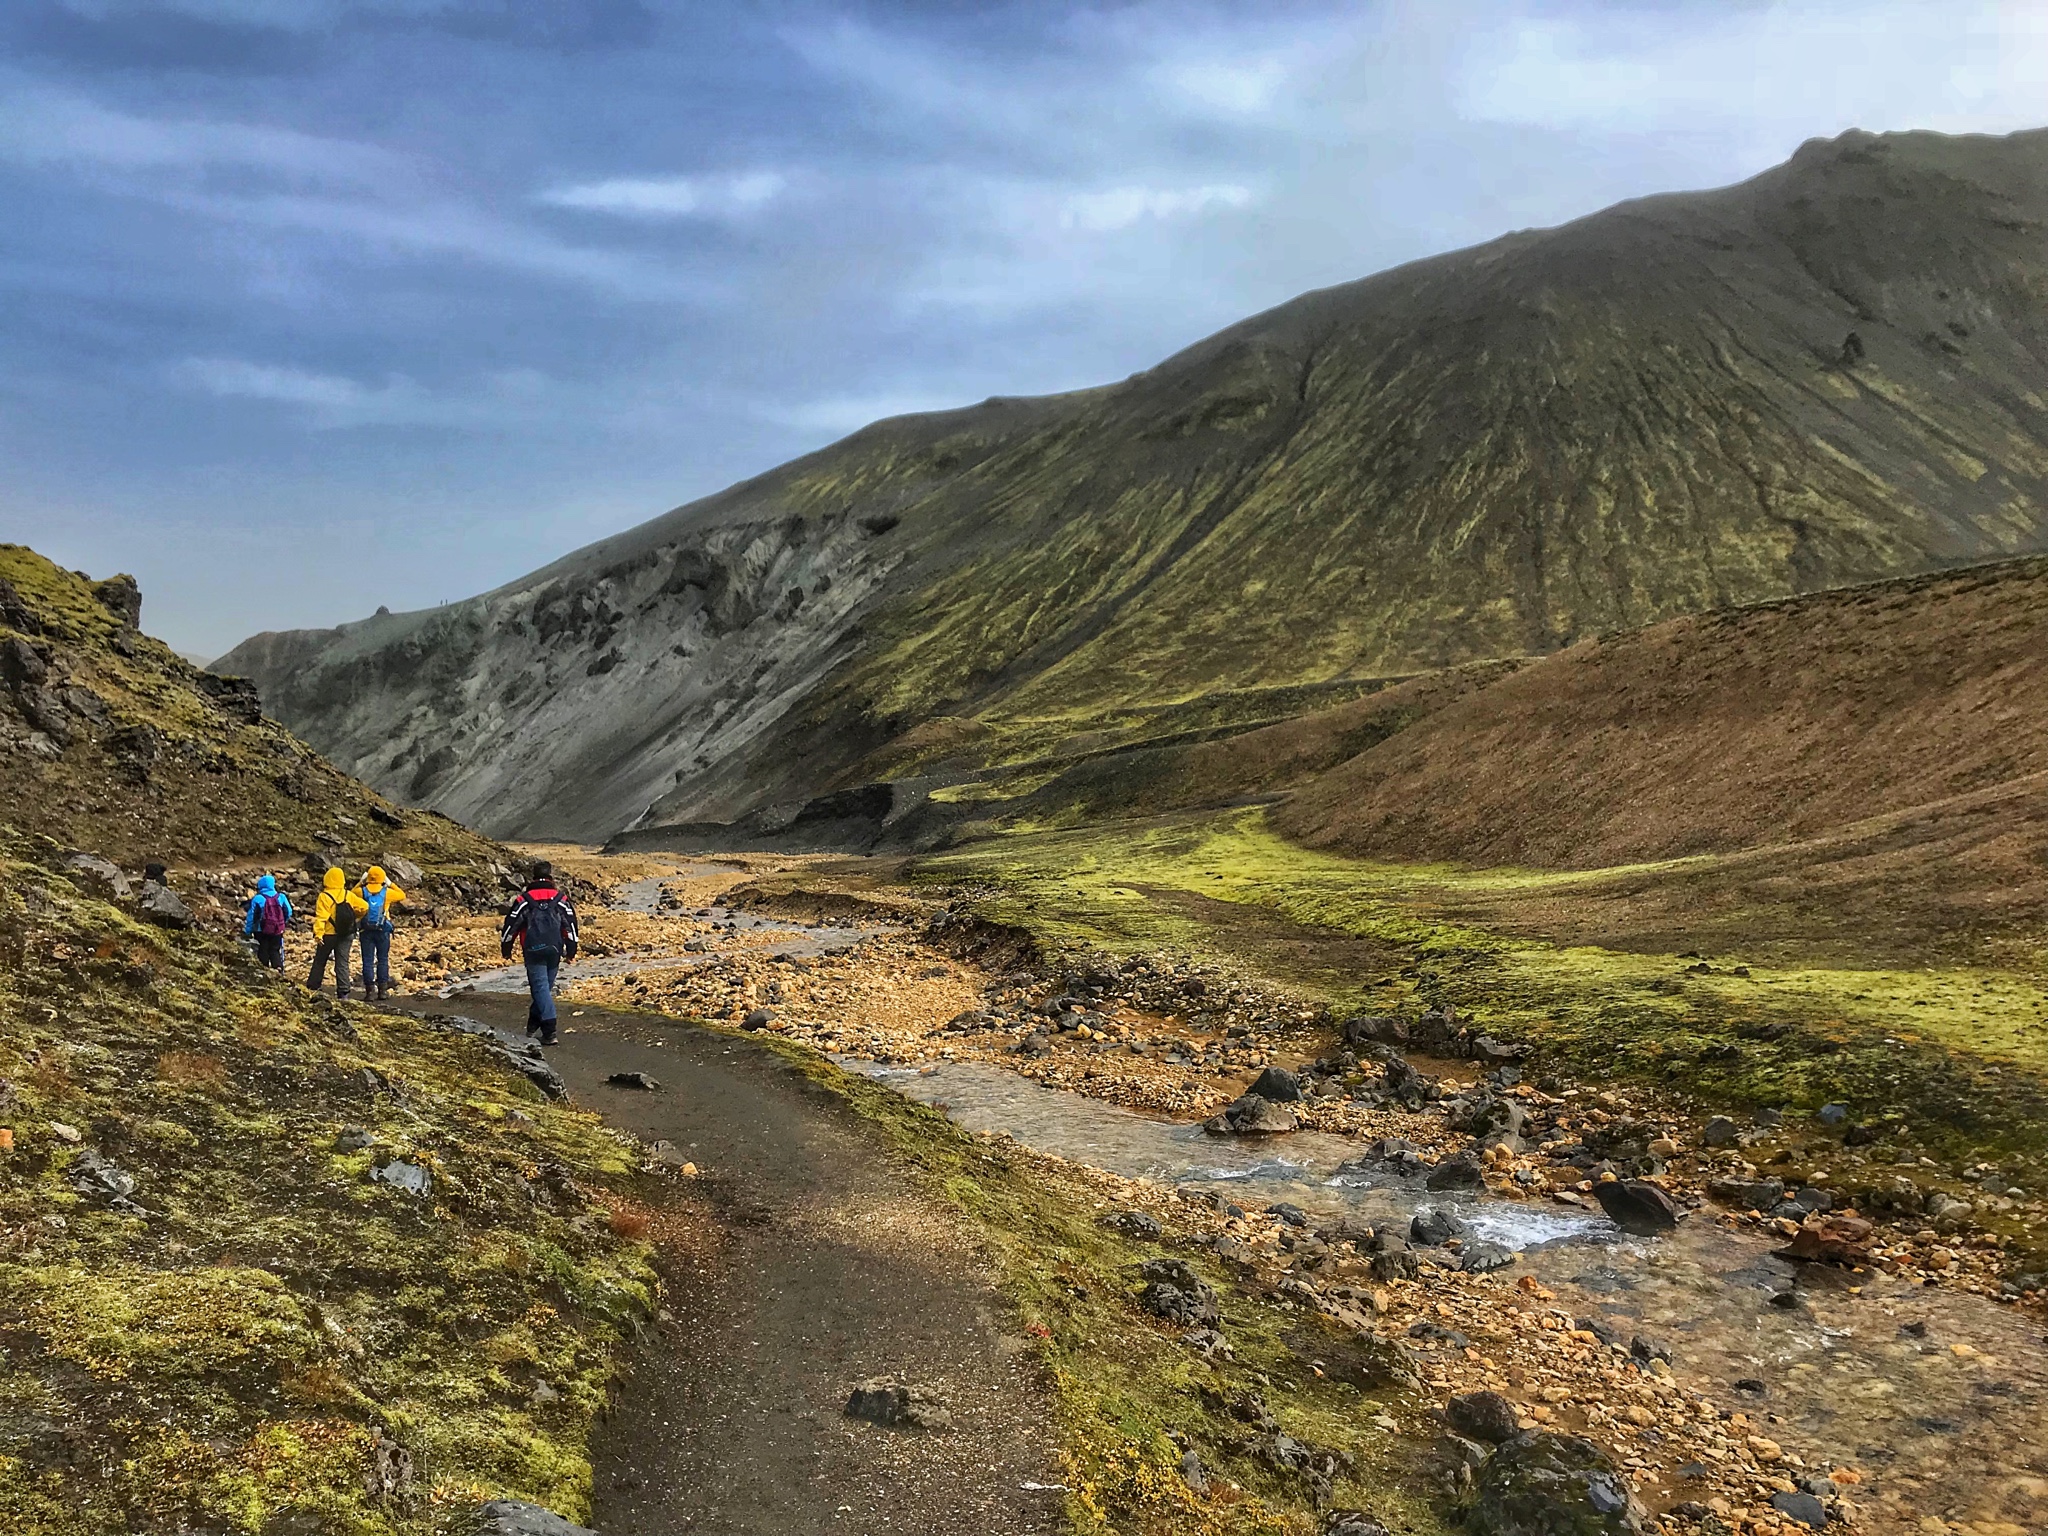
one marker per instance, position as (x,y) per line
(334,892)
(376,884)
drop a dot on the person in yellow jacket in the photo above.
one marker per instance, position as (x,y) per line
(336,912)
(380,899)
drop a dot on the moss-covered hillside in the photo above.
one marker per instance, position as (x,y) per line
(214,1313)
(111,742)
(1829,374)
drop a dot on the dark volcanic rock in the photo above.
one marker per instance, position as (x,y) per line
(1277,1084)
(1456,1173)
(1139,1224)
(1803,1507)
(1432,1227)
(1544,1484)
(639,1080)
(161,905)
(1637,1207)
(510,1517)
(1174,1291)
(1251,1115)
(1483,1416)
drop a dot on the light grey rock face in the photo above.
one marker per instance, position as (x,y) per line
(573,700)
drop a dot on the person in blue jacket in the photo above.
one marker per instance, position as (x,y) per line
(267,920)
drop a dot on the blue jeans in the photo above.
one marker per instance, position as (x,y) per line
(540,986)
(376,945)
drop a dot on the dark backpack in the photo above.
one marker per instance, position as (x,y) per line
(344,919)
(271,921)
(546,923)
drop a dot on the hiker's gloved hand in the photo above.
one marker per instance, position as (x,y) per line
(505,952)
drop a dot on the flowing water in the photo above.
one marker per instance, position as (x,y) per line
(1943,1430)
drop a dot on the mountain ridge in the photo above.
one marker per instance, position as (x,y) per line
(1831,373)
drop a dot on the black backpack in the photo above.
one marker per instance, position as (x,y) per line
(546,923)
(345,918)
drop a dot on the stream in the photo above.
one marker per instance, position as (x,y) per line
(1939,1397)
(1953,1417)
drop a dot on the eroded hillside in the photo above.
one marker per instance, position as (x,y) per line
(1830,374)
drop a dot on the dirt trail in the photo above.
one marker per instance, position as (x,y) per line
(800,1264)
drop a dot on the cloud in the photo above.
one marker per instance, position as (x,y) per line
(838,415)
(1121,207)
(673,197)
(329,401)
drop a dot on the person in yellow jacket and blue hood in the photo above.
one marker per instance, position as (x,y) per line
(336,912)
(380,899)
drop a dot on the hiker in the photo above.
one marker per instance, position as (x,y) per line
(336,911)
(380,898)
(269,915)
(544,925)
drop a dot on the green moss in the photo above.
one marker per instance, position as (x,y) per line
(1119,1383)
(1954,1055)
(227,1354)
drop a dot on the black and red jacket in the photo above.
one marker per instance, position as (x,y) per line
(542,923)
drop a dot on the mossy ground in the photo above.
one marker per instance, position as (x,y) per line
(230,1356)
(1952,1056)
(1121,1383)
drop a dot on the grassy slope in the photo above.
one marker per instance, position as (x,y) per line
(1954,1054)
(230,1359)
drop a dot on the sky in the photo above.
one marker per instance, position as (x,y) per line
(308,306)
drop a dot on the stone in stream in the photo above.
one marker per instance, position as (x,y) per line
(1637,1206)
(885,1400)
(1546,1484)
(1432,1228)
(1483,1416)
(1459,1172)
(1484,1258)
(510,1517)
(639,1080)
(1251,1115)
(1173,1291)
(1841,1240)
(1277,1084)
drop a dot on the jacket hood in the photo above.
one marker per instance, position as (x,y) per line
(334,882)
(374,880)
(267,886)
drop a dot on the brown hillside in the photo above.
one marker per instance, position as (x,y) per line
(1919,704)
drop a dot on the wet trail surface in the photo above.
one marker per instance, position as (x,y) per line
(796,1265)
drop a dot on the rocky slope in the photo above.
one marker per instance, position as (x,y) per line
(111,742)
(1829,374)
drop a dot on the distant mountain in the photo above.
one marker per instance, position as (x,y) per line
(1832,373)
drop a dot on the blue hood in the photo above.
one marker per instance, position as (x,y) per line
(267,886)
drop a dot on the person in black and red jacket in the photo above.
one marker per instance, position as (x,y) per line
(543,924)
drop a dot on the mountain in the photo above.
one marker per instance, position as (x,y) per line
(1830,374)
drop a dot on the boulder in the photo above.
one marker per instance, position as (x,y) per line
(1432,1228)
(760,1018)
(1138,1224)
(403,871)
(1278,1085)
(1484,1258)
(1546,1484)
(1459,1172)
(409,1178)
(1251,1115)
(1484,1416)
(1802,1507)
(511,1517)
(1637,1206)
(897,1404)
(1720,1132)
(100,876)
(160,904)
(1831,1240)
(1173,1291)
